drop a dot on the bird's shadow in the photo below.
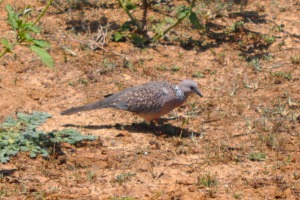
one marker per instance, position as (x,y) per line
(165,130)
(7,172)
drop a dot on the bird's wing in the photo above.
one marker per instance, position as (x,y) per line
(147,98)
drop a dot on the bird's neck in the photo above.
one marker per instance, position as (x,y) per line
(179,94)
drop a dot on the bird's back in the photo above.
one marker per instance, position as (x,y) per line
(145,98)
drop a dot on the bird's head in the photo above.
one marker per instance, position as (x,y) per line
(188,87)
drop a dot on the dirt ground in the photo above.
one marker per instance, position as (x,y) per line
(241,141)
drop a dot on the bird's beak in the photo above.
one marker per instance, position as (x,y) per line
(198,92)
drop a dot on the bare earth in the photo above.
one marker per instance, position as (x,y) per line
(205,153)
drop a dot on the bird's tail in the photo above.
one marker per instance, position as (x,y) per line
(92,106)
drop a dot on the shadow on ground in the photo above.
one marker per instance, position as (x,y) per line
(166,130)
(7,172)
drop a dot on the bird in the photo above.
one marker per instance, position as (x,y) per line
(149,101)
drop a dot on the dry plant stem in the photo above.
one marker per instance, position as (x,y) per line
(129,14)
(171,163)
(6,50)
(158,36)
(161,173)
(100,47)
(43,12)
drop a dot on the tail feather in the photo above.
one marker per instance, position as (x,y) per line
(92,106)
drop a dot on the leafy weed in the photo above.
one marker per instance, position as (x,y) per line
(22,135)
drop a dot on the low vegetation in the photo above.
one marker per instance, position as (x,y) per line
(22,135)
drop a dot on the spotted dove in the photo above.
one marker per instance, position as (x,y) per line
(150,101)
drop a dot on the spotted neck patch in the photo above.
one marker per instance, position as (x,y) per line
(179,94)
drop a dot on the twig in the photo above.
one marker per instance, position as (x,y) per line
(100,47)
(100,38)
(68,50)
(203,164)
(43,12)
(161,173)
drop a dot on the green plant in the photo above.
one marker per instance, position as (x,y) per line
(175,68)
(257,156)
(127,5)
(198,75)
(256,64)
(207,180)
(3,192)
(282,9)
(121,178)
(237,196)
(237,26)
(268,39)
(285,75)
(277,28)
(83,81)
(162,67)
(91,175)
(183,12)
(24,31)
(22,135)
(135,30)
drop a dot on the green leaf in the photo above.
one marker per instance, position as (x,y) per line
(4,159)
(6,44)
(32,154)
(44,55)
(70,136)
(44,152)
(19,23)
(118,36)
(31,27)
(131,6)
(182,15)
(33,120)
(127,26)
(12,16)
(41,43)
(28,37)
(159,31)
(9,122)
(138,40)
(194,20)
(183,12)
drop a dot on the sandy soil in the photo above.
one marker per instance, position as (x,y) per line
(248,107)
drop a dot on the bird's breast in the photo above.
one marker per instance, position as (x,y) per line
(166,108)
